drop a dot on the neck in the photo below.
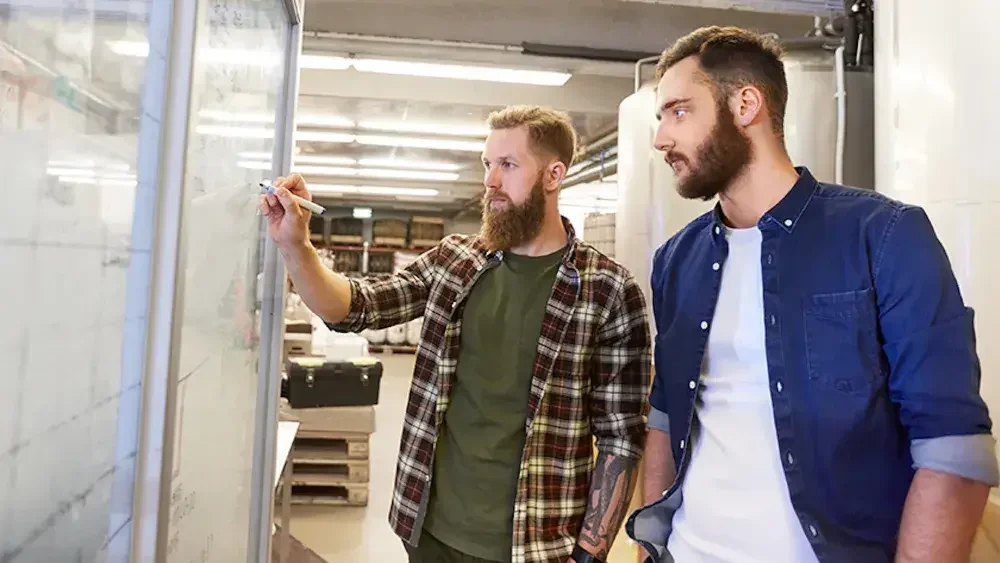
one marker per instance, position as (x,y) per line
(764,182)
(551,238)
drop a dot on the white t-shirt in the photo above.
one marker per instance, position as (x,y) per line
(736,507)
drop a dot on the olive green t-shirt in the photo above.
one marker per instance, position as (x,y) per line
(479,448)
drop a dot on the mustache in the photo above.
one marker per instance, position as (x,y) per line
(672,156)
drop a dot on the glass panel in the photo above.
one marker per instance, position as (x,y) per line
(238,79)
(75,235)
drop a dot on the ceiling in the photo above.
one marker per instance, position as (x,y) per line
(480,33)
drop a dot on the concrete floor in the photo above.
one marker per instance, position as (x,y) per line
(363,535)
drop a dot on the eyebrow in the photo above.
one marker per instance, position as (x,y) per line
(501,158)
(669,104)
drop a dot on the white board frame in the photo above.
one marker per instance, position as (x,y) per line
(151,504)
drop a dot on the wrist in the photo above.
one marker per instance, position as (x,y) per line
(582,555)
(295,250)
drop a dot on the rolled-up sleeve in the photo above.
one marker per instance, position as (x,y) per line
(621,376)
(929,341)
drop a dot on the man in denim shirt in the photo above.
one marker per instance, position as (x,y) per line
(817,387)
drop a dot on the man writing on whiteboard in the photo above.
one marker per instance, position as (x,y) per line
(817,384)
(533,345)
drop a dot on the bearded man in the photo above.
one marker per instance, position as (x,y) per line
(817,385)
(533,345)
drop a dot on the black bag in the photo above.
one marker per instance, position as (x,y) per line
(314,382)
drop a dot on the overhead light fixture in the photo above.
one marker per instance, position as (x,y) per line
(330,189)
(324,137)
(325,160)
(254,165)
(470,130)
(462,72)
(235,132)
(414,142)
(252,57)
(362,212)
(222,115)
(324,62)
(376,173)
(319,120)
(409,164)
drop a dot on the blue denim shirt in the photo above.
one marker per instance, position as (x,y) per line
(871,361)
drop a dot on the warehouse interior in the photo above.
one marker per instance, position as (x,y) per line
(134,133)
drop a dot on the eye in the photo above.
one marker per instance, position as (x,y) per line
(508,165)
(679,112)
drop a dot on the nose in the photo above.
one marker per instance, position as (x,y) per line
(662,140)
(491,179)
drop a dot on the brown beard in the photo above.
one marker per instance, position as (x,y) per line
(515,224)
(721,158)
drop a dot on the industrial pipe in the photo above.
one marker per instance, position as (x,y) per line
(841,96)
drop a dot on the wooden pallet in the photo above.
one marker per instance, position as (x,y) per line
(312,471)
(345,494)
(330,446)
(391,349)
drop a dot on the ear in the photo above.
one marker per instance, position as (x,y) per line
(747,104)
(554,175)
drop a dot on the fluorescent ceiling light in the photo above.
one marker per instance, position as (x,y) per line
(470,130)
(324,62)
(330,189)
(254,165)
(362,212)
(235,132)
(251,155)
(222,115)
(320,159)
(377,173)
(73,163)
(324,121)
(462,72)
(254,57)
(324,137)
(414,142)
(409,164)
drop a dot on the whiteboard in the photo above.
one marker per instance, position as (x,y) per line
(74,265)
(237,87)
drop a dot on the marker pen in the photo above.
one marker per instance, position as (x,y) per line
(311,206)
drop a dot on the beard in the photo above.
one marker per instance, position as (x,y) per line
(721,158)
(513,225)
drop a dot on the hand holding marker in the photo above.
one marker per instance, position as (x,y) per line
(311,206)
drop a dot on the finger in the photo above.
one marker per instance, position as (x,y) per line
(289,204)
(264,208)
(297,185)
(272,200)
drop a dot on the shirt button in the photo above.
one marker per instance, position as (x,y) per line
(717,230)
(682,444)
(770,258)
(779,386)
(772,320)
(813,531)
(791,460)
(788,222)
(715,266)
(454,305)
(694,384)
(704,325)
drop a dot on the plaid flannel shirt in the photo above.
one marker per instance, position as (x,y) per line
(590,380)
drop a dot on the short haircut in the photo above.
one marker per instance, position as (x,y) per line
(551,131)
(731,58)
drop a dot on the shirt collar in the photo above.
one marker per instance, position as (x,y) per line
(569,255)
(787,212)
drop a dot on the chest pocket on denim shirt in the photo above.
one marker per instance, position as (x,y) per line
(842,348)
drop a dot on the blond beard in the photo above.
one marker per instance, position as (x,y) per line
(514,225)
